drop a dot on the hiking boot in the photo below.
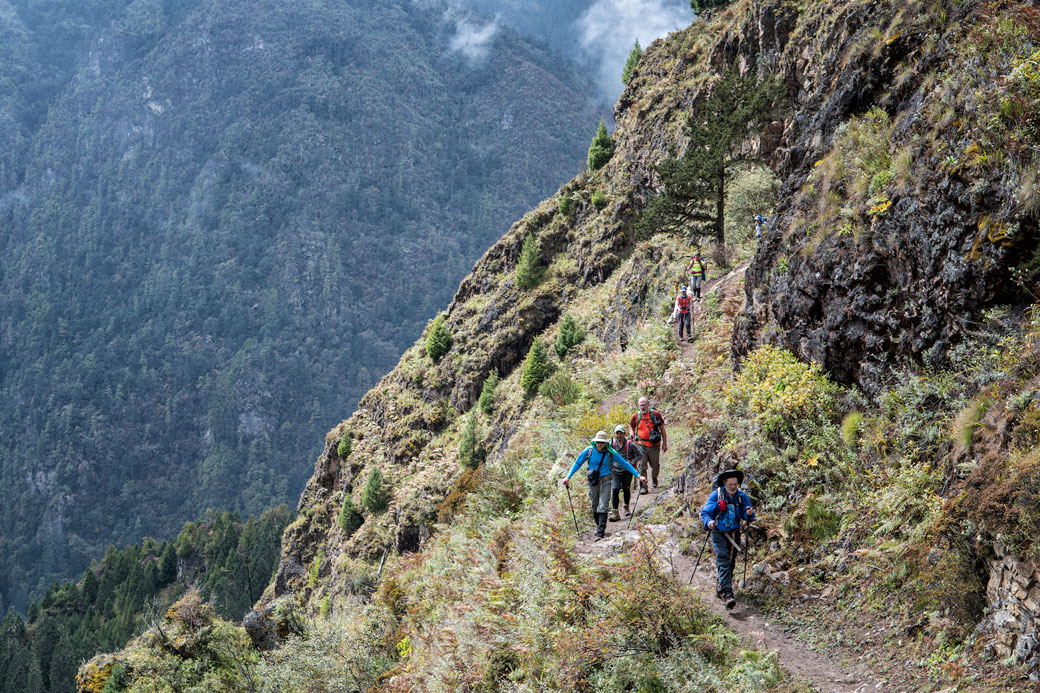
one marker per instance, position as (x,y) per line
(730,601)
(614,517)
(601,525)
(628,513)
(642,490)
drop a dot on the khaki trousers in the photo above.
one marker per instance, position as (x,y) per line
(651,456)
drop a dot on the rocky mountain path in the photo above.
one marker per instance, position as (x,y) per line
(796,657)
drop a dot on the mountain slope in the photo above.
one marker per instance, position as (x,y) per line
(897,491)
(223,223)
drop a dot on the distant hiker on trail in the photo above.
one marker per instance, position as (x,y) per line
(726,508)
(682,306)
(647,427)
(760,222)
(600,458)
(621,479)
(698,270)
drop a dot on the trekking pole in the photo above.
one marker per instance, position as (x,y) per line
(747,550)
(573,516)
(635,505)
(697,564)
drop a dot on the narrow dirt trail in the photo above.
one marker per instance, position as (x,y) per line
(753,627)
(796,657)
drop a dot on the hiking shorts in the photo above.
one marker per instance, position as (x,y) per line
(599,494)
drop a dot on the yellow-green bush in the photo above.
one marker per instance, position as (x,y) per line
(782,393)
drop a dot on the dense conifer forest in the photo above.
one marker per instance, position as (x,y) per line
(219,223)
(227,561)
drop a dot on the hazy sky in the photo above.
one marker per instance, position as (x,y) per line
(609,28)
(598,33)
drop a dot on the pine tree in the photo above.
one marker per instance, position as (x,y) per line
(537,367)
(694,185)
(376,497)
(349,517)
(601,149)
(565,205)
(90,586)
(471,453)
(346,443)
(438,339)
(633,59)
(570,335)
(168,564)
(487,394)
(62,671)
(529,269)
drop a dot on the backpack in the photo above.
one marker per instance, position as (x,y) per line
(655,435)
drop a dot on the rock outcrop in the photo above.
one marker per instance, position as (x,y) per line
(858,275)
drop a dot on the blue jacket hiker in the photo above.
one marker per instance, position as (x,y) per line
(599,456)
(725,509)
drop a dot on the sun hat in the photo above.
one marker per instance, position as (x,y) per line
(601,437)
(729,474)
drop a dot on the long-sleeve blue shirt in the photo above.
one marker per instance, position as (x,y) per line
(601,461)
(737,507)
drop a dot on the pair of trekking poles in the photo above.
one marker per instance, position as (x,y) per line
(574,517)
(735,547)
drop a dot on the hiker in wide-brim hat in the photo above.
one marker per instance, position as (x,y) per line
(600,456)
(725,509)
(621,479)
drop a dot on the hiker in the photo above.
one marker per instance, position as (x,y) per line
(647,428)
(600,458)
(725,509)
(759,223)
(698,270)
(621,479)
(682,305)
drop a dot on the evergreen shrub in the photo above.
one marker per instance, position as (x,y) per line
(633,59)
(565,205)
(601,149)
(486,403)
(438,339)
(376,496)
(537,367)
(570,335)
(471,453)
(350,520)
(529,269)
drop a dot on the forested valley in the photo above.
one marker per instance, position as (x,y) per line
(220,222)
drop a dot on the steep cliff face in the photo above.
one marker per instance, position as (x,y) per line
(909,181)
